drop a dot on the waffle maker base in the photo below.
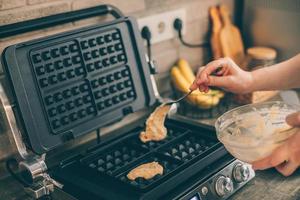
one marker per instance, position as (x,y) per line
(188,150)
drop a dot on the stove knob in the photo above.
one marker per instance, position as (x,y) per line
(241,172)
(223,185)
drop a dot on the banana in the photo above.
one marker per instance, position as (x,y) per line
(186,70)
(217,93)
(202,98)
(209,103)
(220,95)
(181,83)
(182,77)
(189,75)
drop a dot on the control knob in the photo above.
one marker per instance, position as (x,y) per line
(223,185)
(241,172)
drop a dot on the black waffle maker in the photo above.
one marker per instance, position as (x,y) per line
(60,87)
(72,83)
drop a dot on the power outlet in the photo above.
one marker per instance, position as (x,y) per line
(161,25)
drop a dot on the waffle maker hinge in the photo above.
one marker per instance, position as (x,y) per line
(152,66)
(33,167)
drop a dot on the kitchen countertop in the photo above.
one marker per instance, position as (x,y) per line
(267,185)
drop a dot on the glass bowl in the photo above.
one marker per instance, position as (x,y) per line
(253,131)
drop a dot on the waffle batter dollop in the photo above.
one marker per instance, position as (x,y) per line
(146,171)
(155,129)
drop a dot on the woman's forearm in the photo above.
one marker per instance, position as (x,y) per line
(281,76)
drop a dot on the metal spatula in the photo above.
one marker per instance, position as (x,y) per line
(177,100)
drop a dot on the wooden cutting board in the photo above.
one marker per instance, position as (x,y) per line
(231,39)
(215,35)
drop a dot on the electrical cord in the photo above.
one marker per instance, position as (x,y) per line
(9,164)
(98,136)
(178,27)
(146,34)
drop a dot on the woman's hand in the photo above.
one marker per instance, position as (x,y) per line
(223,73)
(286,158)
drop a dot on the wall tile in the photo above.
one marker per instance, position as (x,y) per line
(127,6)
(9,4)
(31,2)
(165,60)
(30,12)
(163,82)
(195,56)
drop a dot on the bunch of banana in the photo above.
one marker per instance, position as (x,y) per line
(182,77)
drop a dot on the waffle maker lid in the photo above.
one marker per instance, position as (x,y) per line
(72,83)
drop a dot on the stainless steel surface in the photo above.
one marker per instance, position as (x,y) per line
(241,172)
(223,185)
(35,167)
(42,183)
(39,190)
(50,180)
(153,82)
(220,186)
(169,102)
(204,190)
(12,123)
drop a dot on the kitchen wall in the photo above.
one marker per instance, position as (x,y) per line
(259,29)
(165,53)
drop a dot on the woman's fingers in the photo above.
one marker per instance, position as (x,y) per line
(215,65)
(218,81)
(194,86)
(221,71)
(206,89)
(286,158)
(280,155)
(202,88)
(203,77)
(212,67)
(287,168)
(262,164)
(199,71)
(293,119)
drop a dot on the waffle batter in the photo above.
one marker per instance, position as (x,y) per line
(146,171)
(155,129)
